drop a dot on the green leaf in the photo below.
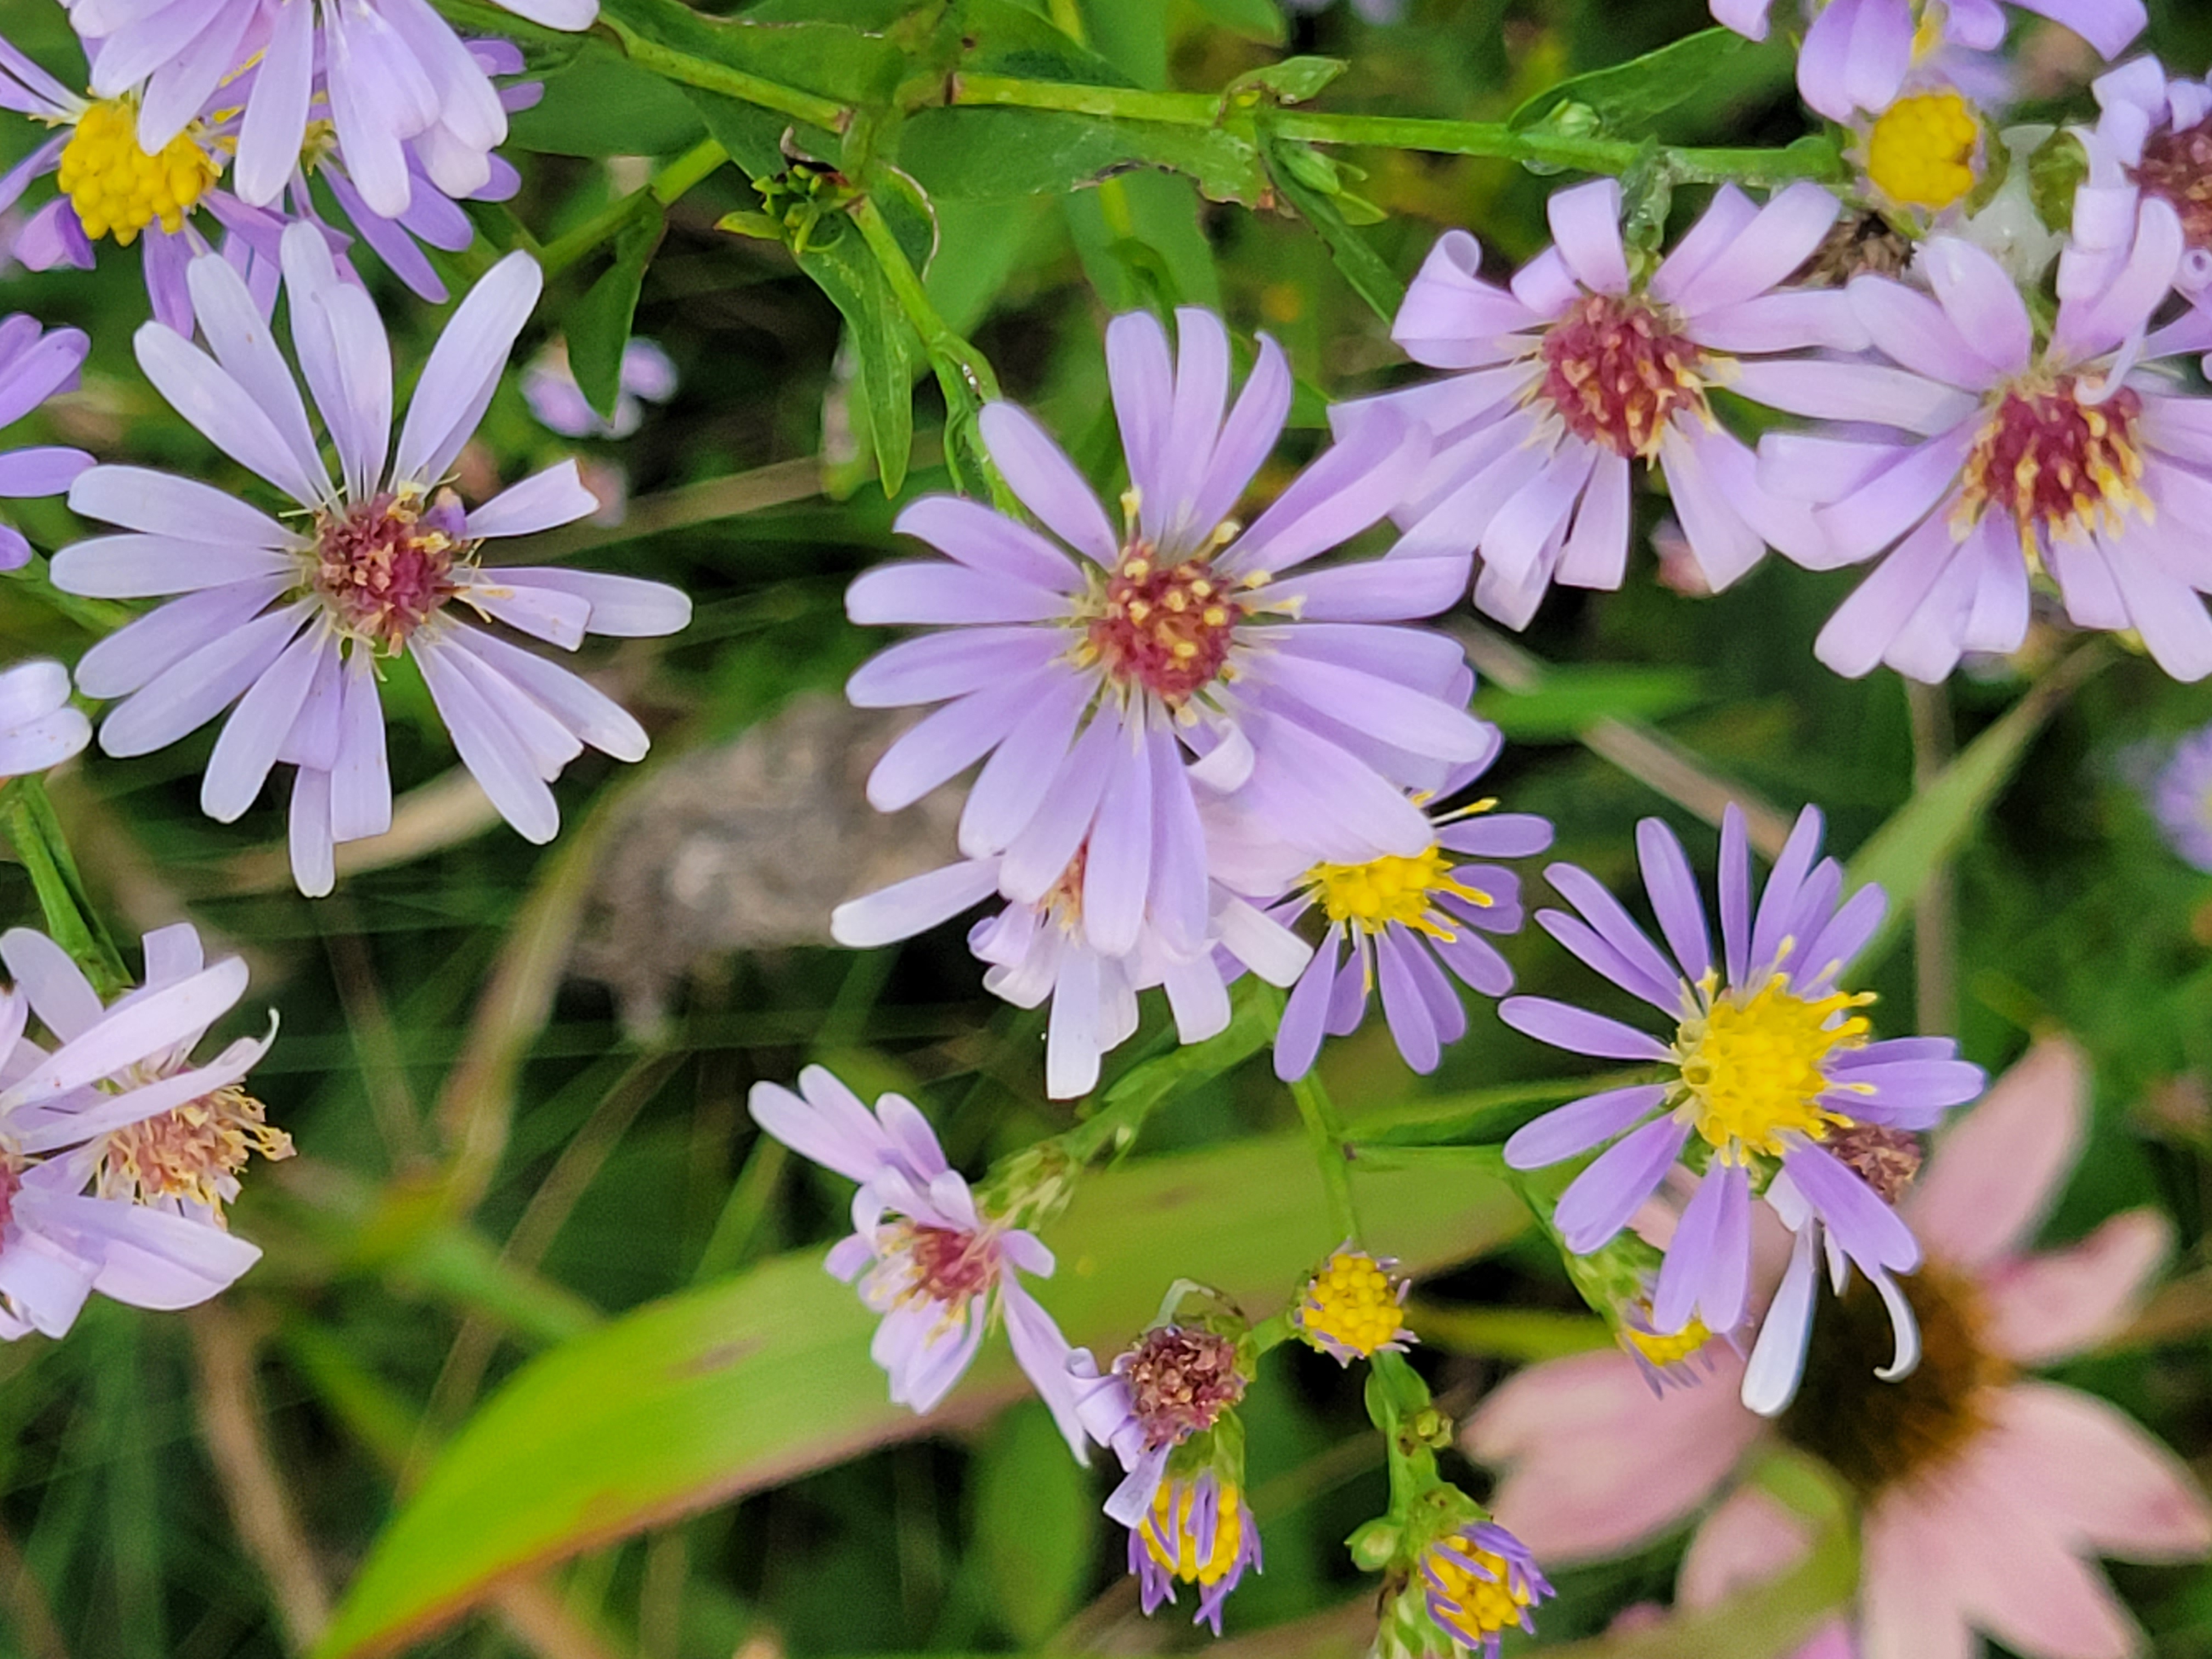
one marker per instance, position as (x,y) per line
(987,153)
(598,323)
(1306,187)
(1628,97)
(1256,20)
(604,105)
(890,355)
(1567,701)
(699,1398)
(1927,831)
(1036,1523)
(831,60)
(1005,38)
(1291,82)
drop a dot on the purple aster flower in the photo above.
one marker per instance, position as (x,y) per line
(110,187)
(1198,1531)
(39,728)
(117,1152)
(1087,678)
(1858,53)
(2015,458)
(397,73)
(2181,798)
(34,364)
(1769,1067)
(938,1271)
(1579,370)
(550,387)
(1398,921)
(1479,1583)
(1039,950)
(2153,138)
(289,622)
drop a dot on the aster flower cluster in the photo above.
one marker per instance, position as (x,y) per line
(1186,724)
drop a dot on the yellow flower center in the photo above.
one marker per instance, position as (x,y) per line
(1752,1068)
(1485,1604)
(1665,1350)
(1353,1302)
(1372,896)
(1921,150)
(116,187)
(1171,1519)
(193,1151)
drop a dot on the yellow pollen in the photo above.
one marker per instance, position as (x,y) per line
(1486,1604)
(193,1151)
(1391,888)
(317,143)
(1171,1519)
(1921,149)
(1665,1350)
(117,188)
(1752,1068)
(1351,1303)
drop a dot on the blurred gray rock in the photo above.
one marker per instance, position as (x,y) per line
(748,847)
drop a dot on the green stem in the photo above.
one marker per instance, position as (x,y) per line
(1443,137)
(1331,1151)
(673,65)
(71,918)
(666,187)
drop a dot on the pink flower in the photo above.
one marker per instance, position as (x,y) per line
(1984,1492)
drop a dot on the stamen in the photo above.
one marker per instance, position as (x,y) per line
(1618,371)
(1921,150)
(386,568)
(2058,454)
(1162,628)
(1752,1068)
(193,1151)
(1392,888)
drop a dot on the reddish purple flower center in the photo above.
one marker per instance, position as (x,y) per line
(950,1265)
(1617,372)
(1180,1383)
(1165,628)
(11,1183)
(2176,167)
(1886,1159)
(2048,455)
(386,568)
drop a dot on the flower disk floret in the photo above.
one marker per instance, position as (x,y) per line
(1582,370)
(1769,1064)
(291,622)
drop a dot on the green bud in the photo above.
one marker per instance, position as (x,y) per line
(1373,1545)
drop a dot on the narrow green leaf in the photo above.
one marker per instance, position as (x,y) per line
(1036,1523)
(1928,831)
(1291,166)
(696,1399)
(1291,82)
(598,323)
(890,355)
(1628,97)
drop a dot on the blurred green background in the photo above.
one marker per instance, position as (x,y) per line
(516,1076)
